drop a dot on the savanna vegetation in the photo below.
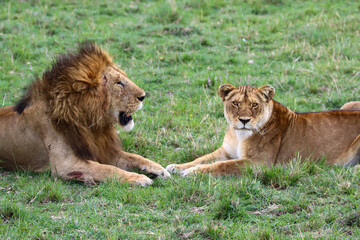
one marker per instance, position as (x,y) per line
(180,51)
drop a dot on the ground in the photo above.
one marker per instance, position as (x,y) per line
(180,52)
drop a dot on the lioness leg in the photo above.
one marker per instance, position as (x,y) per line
(230,167)
(131,161)
(218,155)
(73,168)
(351,155)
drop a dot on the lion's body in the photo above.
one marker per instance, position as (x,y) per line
(21,145)
(66,122)
(270,133)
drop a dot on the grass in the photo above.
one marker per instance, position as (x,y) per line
(180,52)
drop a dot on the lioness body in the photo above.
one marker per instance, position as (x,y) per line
(355,105)
(66,122)
(264,131)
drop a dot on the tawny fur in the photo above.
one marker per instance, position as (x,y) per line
(351,105)
(67,118)
(263,131)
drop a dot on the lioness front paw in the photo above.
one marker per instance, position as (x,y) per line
(189,171)
(197,169)
(139,180)
(178,168)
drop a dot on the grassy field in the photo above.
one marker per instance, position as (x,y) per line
(180,51)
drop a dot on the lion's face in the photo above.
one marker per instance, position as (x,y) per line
(247,108)
(125,96)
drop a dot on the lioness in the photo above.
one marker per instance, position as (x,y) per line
(351,105)
(66,122)
(264,131)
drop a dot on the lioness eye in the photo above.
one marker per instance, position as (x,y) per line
(254,105)
(234,103)
(120,83)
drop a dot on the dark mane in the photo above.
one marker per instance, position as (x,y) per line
(25,100)
(79,114)
(23,103)
(78,102)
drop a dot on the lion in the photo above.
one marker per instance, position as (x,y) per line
(66,122)
(355,105)
(264,132)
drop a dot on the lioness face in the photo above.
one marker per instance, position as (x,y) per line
(247,108)
(126,96)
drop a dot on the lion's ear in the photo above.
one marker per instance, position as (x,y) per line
(224,90)
(80,86)
(267,91)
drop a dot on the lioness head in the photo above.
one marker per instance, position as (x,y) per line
(126,96)
(247,108)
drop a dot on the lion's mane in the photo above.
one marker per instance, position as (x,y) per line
(78,101)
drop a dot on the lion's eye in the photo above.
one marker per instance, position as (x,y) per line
(254,105)
(121,84)
(235,104)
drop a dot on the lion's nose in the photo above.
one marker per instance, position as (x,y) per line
(141,98)
(244,120)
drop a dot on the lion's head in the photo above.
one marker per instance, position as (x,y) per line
(126,97)
(246,108)
(86,93)
(87,87)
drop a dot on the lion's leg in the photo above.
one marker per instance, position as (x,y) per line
(350,156)
(230,167)
(73,168)
(218,155)
(65,164)
(131,161)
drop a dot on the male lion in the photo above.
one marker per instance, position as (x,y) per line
(262,131)
(66,122)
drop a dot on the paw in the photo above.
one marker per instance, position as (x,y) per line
(189,171)
(205,168)
(164,174)
(139,180)
(158,171)
(172,168)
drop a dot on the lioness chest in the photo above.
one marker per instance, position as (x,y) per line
(235,144)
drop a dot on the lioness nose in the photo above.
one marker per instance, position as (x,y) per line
(141,98)
(244,120)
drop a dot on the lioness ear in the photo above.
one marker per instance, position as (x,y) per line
(224,90)
(80,86)
(267,91)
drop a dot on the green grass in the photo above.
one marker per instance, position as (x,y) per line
(308,50)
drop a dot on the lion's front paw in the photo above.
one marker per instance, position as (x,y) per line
(139,179)
(197,169)
(173,168)
(164,174)
(157,170)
